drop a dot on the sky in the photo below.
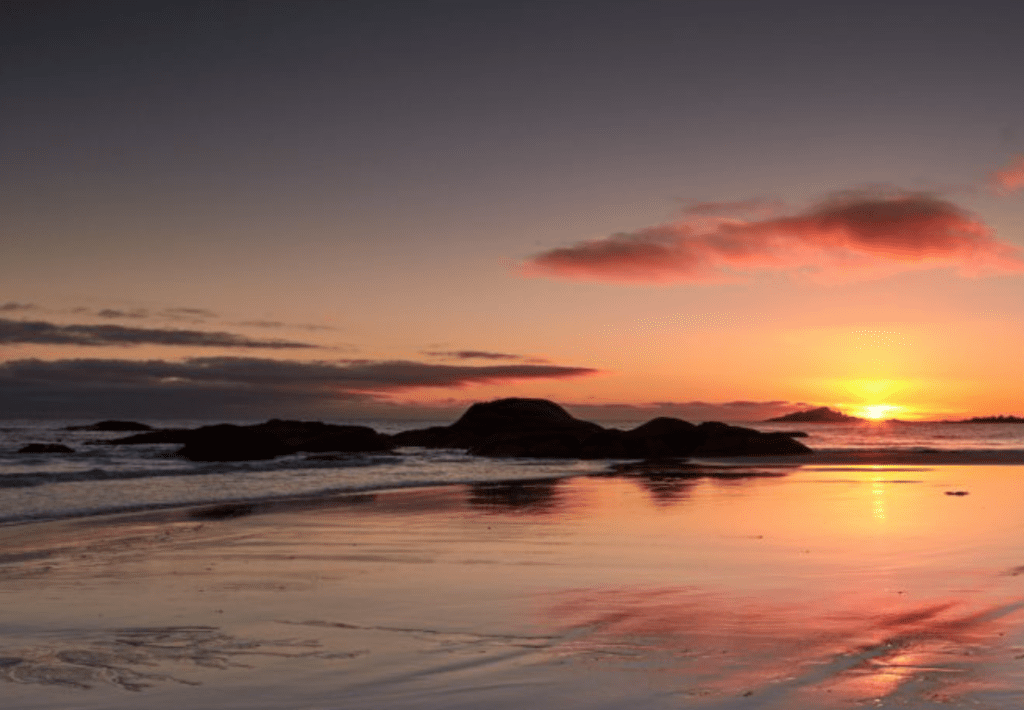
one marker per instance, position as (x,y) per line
(344,210)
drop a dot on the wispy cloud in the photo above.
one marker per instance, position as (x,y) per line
(282,324)
(215,386)
(46,333)
(1011,177)
(851,236)
(11,306)
(191,314)
(118,313)
(479,355)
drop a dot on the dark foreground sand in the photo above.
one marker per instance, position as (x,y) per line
(826,586)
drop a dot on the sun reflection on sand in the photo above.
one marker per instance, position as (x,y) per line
(850,649)
(878,492)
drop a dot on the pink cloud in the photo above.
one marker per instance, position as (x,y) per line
(1010,178)
(853,236)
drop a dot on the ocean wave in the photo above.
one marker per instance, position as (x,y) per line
(41,478)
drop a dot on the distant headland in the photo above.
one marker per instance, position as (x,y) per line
(825,415)
(822,415)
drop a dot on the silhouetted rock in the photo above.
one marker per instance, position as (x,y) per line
(317,437)
(541,429)
(512,427)
(740,441)
(663,436)
(111,425)
(277,437)
(229,442)
(46,449)
(822,415)
(502,423)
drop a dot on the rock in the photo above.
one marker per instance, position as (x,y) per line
(111,425)
(505,420)
(542,429)
(434,437)
(318,437)
(229,442)
(556,444)
(663,436)
(747,442)
(46,449)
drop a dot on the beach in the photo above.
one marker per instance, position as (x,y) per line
(838,585)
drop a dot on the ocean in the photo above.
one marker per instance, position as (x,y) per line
(98,478)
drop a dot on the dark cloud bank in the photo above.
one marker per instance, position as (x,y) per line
(229,387)
(19,332)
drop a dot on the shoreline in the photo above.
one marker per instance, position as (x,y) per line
(681,468)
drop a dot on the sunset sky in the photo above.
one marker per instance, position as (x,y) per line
(714,210)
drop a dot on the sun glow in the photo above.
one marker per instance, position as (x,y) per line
(877,412)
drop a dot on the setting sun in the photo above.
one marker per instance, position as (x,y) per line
(877,412)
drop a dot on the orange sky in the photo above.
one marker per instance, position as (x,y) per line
(376,209)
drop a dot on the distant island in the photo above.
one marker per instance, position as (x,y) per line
(820,415)
(825,415)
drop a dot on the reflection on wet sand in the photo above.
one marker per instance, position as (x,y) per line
(729,587)
(857,649)
(535,496)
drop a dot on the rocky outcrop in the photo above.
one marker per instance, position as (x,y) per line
(277,437)
(822,415)
(510,427)
(229,442)
(46,449)
(542,429)
(503,428)
(503,419)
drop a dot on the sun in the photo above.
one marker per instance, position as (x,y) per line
(877,412)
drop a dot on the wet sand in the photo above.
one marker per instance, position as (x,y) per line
(817,586)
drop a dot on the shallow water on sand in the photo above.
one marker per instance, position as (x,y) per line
(828,586)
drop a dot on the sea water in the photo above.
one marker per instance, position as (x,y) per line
(102,478)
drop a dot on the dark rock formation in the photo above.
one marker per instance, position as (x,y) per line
(539,428)
(229,442)
(112,425)
(502,428)
(277,437)
(503,419)
(822,415)
(46,449)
